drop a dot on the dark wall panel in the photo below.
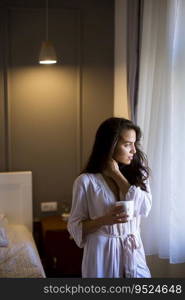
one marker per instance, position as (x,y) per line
(50,114)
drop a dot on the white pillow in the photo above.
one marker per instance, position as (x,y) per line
(3,237)
(3,234)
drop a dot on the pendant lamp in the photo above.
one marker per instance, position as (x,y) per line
(47,52)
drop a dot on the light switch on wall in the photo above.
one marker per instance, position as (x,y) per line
(48,206)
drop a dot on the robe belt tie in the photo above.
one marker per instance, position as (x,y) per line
(130,244)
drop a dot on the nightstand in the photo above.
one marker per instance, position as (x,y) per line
(62,257)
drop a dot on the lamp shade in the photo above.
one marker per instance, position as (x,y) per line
(47,54)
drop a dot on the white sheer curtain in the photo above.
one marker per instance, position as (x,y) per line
(161,116)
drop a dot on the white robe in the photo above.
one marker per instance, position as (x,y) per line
(113,249)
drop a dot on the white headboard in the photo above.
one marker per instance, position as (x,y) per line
(16,197)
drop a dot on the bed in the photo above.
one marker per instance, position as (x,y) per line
(19,257)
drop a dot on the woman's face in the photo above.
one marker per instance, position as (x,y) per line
(125,148)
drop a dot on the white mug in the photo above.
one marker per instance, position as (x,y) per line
(128,208)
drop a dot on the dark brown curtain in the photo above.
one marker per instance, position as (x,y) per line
(134,30)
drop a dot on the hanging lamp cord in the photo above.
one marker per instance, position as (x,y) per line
(47,20)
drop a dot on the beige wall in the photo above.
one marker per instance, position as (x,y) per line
(121,108)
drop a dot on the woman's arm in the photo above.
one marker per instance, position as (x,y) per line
(113,172)
(79,223)
(142,199)
(121,182)
(115,216)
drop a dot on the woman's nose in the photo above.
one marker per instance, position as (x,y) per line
(133,149)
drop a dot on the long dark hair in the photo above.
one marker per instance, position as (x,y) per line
(106,139)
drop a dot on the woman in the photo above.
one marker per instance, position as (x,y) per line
(117,170)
